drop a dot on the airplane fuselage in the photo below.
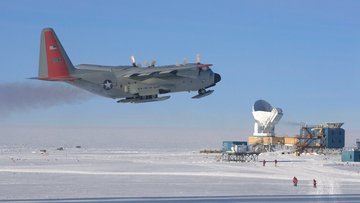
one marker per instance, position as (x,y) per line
(109,81)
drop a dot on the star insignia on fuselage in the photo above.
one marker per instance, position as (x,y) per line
(107,85)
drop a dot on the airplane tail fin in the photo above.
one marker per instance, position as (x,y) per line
(54,63)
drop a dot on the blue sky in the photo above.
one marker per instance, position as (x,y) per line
(302,56)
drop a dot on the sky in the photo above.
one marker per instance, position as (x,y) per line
(301,56)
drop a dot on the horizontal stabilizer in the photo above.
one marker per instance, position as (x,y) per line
(207,93)
(56,78)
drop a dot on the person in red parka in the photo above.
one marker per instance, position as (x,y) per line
(295,181)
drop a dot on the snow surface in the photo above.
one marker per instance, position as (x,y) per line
(90,173)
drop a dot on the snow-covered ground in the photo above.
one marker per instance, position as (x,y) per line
(91,173)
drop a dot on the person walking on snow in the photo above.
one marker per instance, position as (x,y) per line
(295,181)
(314,183)
(264,162)
(275,162)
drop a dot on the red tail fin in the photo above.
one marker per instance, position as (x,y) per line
(54,63)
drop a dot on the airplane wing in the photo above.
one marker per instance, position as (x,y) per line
(188,71)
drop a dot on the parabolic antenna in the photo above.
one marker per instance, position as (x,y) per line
(266,117)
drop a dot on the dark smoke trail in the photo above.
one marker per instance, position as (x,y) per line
(22,96)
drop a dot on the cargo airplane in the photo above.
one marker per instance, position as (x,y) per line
(127,84)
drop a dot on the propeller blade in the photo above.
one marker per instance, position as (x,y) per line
(198,58)
(146,63)
(184,61)
(133,61)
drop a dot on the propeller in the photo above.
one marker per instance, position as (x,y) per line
(146,63)
(153,62)
(202,67)
(184,61)
(198,58)
(133,61)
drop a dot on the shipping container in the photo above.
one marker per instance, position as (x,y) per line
(290,140)
(230,145)
(351,155)
(266,140)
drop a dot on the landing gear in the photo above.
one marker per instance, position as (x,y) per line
(201,91)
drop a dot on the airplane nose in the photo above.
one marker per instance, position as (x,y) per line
(217,78)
